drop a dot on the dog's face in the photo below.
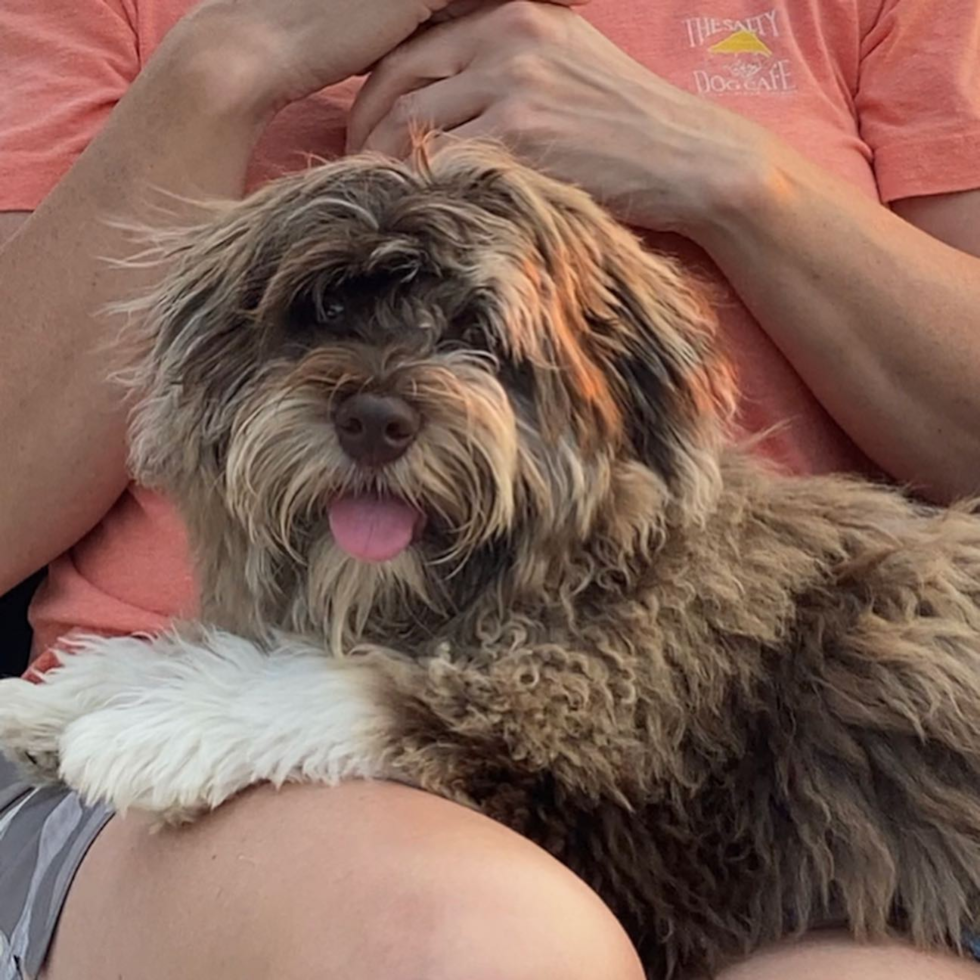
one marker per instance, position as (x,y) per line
(391,377)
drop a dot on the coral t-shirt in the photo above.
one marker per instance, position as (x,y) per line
(883,93)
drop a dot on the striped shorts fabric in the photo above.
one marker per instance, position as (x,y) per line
(44,835)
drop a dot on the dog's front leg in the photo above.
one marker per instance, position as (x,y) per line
(206,716)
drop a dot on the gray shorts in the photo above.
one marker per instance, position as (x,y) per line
(44,835)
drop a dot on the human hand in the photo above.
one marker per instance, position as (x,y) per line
(565,99)
(293,48)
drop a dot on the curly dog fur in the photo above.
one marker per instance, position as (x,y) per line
(739,704)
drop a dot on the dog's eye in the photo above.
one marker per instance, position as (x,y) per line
(473,336)
(468,336)
(468,322)
(330,311)
(310,313)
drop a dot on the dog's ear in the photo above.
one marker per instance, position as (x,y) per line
(192,341)
(634,337)
(183,337)
(654,333)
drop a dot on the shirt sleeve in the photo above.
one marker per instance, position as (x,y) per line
(918,98)
(64,64)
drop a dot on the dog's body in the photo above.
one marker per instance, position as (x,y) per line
(739,704)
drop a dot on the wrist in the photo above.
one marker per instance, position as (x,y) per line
(188,124)
(220,68)
(750,187)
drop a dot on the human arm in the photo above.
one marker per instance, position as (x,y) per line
(879,318)
(63,431)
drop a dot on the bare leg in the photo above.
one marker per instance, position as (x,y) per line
(363,880)
(834,956)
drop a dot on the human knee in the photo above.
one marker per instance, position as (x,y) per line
(362,881)
(479,933)
(834,955)
(474,903)
(549,926)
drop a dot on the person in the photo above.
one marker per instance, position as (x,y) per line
(817,164)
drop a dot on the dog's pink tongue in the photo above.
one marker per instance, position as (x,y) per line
(373,528)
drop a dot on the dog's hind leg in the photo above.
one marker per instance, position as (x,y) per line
(880,722)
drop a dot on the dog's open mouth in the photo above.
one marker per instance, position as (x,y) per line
(374,528)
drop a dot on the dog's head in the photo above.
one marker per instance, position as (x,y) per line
(396,379)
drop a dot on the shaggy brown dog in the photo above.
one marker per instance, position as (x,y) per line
(450,423)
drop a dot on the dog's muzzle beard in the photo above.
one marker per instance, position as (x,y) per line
(311,501)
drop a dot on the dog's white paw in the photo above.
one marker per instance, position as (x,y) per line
(30,728)
(208,717)
(34,716)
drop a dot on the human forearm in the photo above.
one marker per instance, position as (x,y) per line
(880,320)
(62,422)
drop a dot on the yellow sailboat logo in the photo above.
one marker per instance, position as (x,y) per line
(742,42)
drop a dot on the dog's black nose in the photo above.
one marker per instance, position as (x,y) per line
(376,429)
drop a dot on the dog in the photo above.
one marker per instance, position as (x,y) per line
(455,455)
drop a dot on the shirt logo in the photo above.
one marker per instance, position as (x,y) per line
(742,56)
